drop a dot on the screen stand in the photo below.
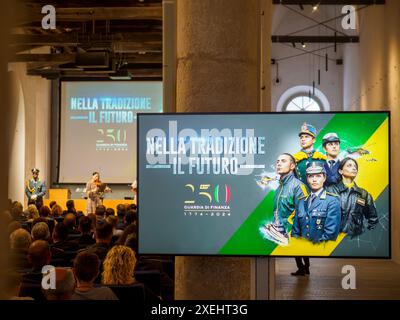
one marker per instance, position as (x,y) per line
(263,278)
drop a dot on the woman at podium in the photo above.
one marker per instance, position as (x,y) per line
(95,190)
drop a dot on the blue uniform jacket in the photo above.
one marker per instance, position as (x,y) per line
(321,222)
(332,175)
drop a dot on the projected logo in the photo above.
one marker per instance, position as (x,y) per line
(207,201)
(111,140)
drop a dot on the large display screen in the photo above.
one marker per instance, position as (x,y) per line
(276,184)
(98,128)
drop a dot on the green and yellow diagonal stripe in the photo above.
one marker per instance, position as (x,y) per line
(370,131)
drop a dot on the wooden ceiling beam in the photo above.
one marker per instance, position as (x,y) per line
(94,14)
(76,39)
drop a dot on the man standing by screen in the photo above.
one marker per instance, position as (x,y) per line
(307,154)
(35,189)
(287,195)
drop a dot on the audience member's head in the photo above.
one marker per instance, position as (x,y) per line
(33,212)
(70,206)
(104,233)
(100,211)
(112,220)
(17,209)
(37,220)
(118,266)
(39,203)
(60,232)
(131,206)
(93,218)
(20,239)
(130,229)
(85,225)
(14,225)
(121,210)
(86,267)
(132,241)
(45,211)
(52,204)
(110,212)
(56,211)
(130,217)
(39,254)
(65,285)
(69,220)
(40,231)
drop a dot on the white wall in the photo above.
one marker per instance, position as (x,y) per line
(372,82)
(17,144)
(30,129)
(303,70)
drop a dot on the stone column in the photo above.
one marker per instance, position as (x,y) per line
(218,70)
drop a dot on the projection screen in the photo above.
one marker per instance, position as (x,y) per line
(98,128)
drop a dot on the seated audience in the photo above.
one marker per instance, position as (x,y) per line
(118,269)
(40,231)
(17,212)
(118,266)
(131,234)
(113,220)
(60,239)
(110,212)
(93,218)
(69,222)
(103,236)
(85,227)
(14,225)
(121,212)
(52,204)
(131,218)
(100,212)
(20,241)
(33,212)
(65,285)
(45,212)
(56,211)
(86,269)
(70,204)
(38,256)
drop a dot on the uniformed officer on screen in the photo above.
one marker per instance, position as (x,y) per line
(35,189)
(307,154)
(331,144)
(287,196)
(318,215)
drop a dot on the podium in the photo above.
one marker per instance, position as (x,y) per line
(60,195)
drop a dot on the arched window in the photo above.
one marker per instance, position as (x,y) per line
(298,99)
(303,103)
